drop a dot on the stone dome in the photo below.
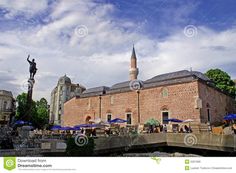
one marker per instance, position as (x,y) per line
(64,79)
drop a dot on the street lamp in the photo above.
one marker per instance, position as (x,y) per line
(100,106)
(138,92)
(137,85)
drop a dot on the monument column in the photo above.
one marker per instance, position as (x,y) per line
(31,81)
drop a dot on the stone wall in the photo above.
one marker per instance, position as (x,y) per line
(183,101)
(179,100)
(218,103)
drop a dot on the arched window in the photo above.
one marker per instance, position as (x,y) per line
(165,114)
(4,106)
(165,92)
(129,118)
(208,112)
(109,117)
(208,105)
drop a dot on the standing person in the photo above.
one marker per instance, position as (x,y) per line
(161,128)
(165,128)
(82,130)
(151,129)
(190,130)
(186,129)
(234,128)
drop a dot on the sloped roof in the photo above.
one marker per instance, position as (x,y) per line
(120,85)
(201,76)
(95,91)
(159,80)
(176,75)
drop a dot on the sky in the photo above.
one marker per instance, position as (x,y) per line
(91,40)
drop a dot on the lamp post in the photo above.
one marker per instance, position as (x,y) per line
(137,85)
(100,106)
(138,92)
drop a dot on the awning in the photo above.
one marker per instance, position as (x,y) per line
(230,117)
(117,120)
(174,120)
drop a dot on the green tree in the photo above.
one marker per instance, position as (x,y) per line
(222,80)
(23,108)
(38,113)
(40,119)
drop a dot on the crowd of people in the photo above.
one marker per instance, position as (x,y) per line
(164,128)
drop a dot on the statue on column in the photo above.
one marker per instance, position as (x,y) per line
(31,81)
(32,68)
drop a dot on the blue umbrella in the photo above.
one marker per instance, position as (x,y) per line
(66,128)
(83,125)
(87,125)
(230,117)
(77,128)
(19,122)
(56,127)
(27,122)
(117,120)
(174,120)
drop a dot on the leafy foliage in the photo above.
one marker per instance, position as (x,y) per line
(41,118)
(152,122)
(38,113)
(22,107)
(222,80)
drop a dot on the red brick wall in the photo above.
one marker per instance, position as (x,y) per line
(180,103)
(219,104)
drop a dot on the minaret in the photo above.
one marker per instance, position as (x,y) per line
(133,71)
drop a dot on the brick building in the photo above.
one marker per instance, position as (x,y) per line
(183,95)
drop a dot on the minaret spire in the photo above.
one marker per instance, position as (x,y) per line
(133,53)
(133,72)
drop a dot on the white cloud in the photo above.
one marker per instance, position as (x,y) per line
(208,49)
(101,57)
(28,7)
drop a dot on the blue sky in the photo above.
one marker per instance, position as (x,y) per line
(91,41)
(159,16)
